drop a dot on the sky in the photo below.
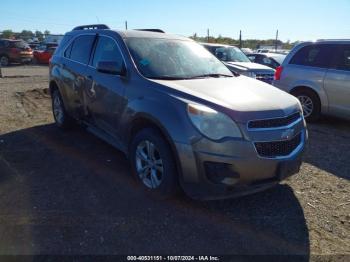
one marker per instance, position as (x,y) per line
(295,19)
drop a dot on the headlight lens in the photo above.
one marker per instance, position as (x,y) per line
(212,124)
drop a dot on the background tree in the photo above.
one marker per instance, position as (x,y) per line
(7,34)
(26,34)
(39,35)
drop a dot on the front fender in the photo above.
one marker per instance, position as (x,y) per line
(169,114)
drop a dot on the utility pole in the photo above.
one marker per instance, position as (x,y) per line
(276,41)
(240,38)
(208,35)
(126,25)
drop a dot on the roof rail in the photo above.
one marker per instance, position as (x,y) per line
(333,40)
(151,30)
(91,27)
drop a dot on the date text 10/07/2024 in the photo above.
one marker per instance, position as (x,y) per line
(173,258)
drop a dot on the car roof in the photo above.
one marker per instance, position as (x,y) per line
(325,41)
(217,45)
(11,40)
(268,54)
(133,34)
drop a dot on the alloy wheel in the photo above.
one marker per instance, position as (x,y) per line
(149,164)
(58,109)
(307,105)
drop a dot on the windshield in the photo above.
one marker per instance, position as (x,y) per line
(230,54)
(279,58)
(174,59)
(20,44)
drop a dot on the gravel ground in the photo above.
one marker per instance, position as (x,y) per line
(70,193)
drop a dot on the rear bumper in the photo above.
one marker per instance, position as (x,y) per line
(21,58)
(240,171)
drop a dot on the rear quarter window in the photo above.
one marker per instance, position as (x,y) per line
(63,44)
(342,61)
(81,49)
(314,55)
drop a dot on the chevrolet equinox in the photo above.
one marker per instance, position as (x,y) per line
(182,118)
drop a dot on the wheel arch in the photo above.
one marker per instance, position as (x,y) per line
(320,94)
(144,120)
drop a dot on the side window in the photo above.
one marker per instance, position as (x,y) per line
(68,51)
(63,43)
(259,59)
(2,44)
(314,55)
(251,58)
(106,50)
(81,49)
(343,58)
(267,61)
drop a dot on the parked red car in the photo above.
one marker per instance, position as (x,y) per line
(14,51)
(43,54)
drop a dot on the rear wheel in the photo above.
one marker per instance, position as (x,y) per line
(152,162)
(310,103)
(62,119)
(4,60)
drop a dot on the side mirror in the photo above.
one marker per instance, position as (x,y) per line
(111,67)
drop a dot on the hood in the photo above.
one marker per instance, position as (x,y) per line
(241,97)
(243,66)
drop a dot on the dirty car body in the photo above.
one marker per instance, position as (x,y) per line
(225,135)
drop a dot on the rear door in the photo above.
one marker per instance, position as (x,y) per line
(337,82)
(73,72)
(103,92)
(308,66)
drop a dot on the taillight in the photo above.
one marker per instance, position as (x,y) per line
(278,73)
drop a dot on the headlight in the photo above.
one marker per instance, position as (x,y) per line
(212,124)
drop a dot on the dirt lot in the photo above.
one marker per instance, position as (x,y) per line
(70,193)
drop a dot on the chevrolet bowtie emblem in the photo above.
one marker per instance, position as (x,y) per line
(288,134)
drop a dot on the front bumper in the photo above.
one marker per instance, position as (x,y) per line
(245,172)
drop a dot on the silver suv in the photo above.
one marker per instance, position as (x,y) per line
(179,115)
(318,73)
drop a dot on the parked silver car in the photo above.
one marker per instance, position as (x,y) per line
(318,74)
(180,116)
(239,63)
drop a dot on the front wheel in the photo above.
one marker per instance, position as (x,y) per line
(152,162)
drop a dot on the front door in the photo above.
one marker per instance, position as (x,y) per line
(103,92)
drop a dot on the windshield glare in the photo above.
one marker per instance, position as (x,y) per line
(231,54)
(174,59)
(20,44)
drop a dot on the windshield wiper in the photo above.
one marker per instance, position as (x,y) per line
(210,75)
(167,78)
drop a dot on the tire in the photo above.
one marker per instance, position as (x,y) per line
(311,104)
(35,61)
(4,60)
(62,119)
(161,175)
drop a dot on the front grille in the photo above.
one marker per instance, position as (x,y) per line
(268,78)
(274,122)
(278,148)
